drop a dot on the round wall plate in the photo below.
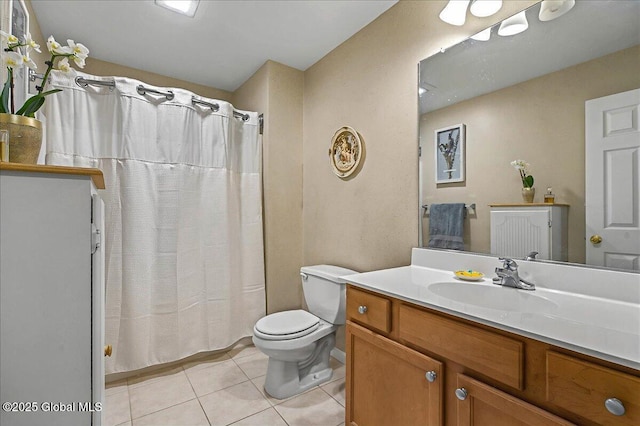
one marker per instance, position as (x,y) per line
(346,151)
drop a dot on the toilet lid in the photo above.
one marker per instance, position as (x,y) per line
(286,325)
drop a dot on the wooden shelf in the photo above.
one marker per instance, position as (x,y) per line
(95,174)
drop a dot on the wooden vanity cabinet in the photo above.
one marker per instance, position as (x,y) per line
(484,376)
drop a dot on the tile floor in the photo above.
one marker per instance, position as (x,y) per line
(222,389)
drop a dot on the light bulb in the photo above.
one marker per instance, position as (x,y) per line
(552,9)
(455,12)
(484,35)
(484,8)
(514,25)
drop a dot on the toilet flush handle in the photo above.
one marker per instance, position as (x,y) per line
(304,276)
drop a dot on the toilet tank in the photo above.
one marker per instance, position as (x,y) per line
(325,292)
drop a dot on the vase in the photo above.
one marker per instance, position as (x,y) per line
(25,137)
(528,194)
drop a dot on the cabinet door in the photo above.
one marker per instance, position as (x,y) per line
(480,404)
(517,232)
(390,384)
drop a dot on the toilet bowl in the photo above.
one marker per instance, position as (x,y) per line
(298,343)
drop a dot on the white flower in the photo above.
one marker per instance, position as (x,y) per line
(55,47)
(78,49)
(12,59)
(32,44)
(520,164)
(78,61)
(8,38)
(63,65)
(26,60)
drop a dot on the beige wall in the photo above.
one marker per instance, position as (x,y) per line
(540,121)
(276,90)
(370,83)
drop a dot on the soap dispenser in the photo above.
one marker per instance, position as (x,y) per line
(549,197)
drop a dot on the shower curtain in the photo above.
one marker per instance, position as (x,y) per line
(184,242)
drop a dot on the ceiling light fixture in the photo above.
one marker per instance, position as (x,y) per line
(552,9)
(184,7)
(484,8)
(484,35)
(514,25)
(455,12)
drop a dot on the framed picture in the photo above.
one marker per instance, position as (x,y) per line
(449,154)
(15,20)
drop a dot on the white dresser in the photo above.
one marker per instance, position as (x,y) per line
(51,296)
(518,229)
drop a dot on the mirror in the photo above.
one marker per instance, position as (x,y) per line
(523,97)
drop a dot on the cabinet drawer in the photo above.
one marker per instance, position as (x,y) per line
(582,388)
(369,309)
(490,354)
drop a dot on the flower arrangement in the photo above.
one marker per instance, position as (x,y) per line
(15,53)
(522,166)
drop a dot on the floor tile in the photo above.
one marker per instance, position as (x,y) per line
(206,361)
(215,377)
(125,424)
(242,351)
(253,365)
(115,387)
(335,389)
(188,413)
(311,408)
(160,394)
(161,374)
(233,403)
(116,408)
(339,369)
(269,417)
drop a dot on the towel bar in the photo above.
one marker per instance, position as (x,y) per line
(468,208)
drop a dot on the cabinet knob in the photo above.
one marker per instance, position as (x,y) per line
(596,239)
(431,376)
(362,309)
(107,350)
(461,394)
(614,406)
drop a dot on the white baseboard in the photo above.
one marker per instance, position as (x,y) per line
(339,355)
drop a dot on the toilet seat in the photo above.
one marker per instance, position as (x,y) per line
(286,325)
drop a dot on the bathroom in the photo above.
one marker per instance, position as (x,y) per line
(368,83)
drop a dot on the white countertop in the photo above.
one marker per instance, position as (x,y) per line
(604,328)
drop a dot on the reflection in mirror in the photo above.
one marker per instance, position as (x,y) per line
(523,97)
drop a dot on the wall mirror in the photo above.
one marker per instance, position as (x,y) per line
(523,97)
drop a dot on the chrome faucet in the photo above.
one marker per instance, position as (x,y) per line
(508,276)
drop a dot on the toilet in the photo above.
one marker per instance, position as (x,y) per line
(298,343)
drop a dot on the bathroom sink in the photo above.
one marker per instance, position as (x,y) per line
(493,297)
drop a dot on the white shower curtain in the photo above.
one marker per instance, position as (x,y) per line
(184,240)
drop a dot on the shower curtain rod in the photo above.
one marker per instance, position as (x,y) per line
(84,82)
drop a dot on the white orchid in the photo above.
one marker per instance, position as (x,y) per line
(78,49)
(32,44)
(522,166)
(15,53)
(56,48)
(12,59)
(26,60)
(63,65)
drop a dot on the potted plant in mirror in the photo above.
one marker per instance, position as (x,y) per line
(25,131)
(528,191)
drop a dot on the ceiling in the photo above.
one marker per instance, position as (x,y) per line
(221,47)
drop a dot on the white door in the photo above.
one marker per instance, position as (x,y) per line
(612,150)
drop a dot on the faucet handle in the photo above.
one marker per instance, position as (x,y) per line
(508,263)
(531,256)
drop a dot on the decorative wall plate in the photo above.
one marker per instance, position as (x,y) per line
(346,151)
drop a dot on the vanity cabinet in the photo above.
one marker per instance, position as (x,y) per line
(518,229)
(486,376)
(51,296)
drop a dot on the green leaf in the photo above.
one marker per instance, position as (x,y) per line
(34,103)
(528,181)
(4,97)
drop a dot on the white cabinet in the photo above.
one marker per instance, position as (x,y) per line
(518,229)
(51,296)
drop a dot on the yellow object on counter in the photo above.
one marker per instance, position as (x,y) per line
(469,275)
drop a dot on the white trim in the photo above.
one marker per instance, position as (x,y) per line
(339,355)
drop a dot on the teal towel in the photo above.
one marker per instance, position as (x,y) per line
(446,226)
